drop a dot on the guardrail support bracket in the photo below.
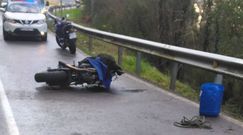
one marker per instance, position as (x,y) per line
(138,63)
(90,43)
(120,53)
(173,75)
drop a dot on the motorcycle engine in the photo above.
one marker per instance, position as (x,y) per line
(89,77)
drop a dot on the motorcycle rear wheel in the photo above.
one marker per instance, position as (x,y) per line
(53,77)
(72,46)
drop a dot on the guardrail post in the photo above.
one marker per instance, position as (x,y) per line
(58,10)
(138,63)
(218,79)
(55,11)
(173,75)
(61,8)
(90,43)
(120,53)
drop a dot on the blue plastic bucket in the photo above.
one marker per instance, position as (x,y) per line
(211,96)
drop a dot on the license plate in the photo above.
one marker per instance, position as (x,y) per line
(26,29)
(72,35)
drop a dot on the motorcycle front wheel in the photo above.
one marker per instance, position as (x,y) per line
(52,77)
(61,42)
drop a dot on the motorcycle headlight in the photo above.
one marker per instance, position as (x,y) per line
(41,21)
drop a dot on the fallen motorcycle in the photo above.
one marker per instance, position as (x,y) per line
(95,71)
(65,35)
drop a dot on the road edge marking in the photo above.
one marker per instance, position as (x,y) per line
(7,112)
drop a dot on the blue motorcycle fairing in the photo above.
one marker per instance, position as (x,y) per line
(101,69)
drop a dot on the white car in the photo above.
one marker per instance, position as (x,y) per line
(24,19)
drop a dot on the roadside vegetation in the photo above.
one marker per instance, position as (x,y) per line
(207,25)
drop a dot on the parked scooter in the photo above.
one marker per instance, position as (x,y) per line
(65,35)
(93,71)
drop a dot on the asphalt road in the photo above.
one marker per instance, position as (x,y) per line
(131,107)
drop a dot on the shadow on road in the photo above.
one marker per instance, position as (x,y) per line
(86,90)
(73,89)
(70,94)
(64,52)
(25,39)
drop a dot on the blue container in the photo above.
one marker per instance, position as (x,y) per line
(211,97)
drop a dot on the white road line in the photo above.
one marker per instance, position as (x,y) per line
(7,112)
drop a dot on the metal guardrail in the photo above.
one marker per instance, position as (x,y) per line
(209,61)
